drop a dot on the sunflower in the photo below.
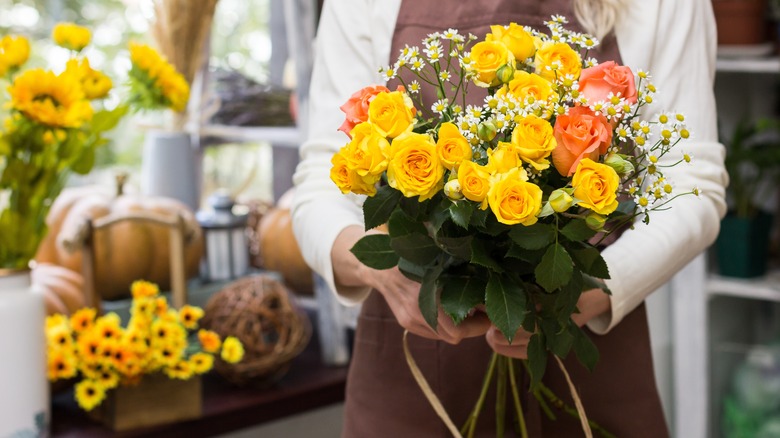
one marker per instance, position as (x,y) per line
(49,99)
(88,346)
(105,353)
(71,36)
(189,316)
(136,339)
(232,350)
(209,341)
(180,370)
(165,332)
(83,319)
(108,379)
(95,84)
(141,288)
(159,81)
(201,362)
(168,355)
(92,370)
(108,327)
(59,338)
(61,365)
(160,306)
(14,51)
(56,320)
(89,393)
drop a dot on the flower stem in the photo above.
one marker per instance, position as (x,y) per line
(471,423)
(558,403)
(516,398)
(503,363)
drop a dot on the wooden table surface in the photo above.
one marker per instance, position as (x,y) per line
(308,385)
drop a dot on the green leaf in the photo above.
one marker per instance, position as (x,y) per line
(428,299)
(536,236)
(411,206)
(479,217)
(493,227)
(440,215)
(577,231)
(594,283)
(537,359)
(83,165)
(460,294)
(375,252)
(559,339)
(412,271)
(417,248)
(461,212)
(505,302)
(586,351)
(107,120)
(378,208)
(481,256)
(566,299)
(589,260)
(555,268)
(401,224)
(459,247)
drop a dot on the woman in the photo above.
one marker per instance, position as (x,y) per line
(675,41)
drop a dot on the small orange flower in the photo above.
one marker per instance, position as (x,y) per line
(61,365)
(209,341)
(141,288)
(189,316)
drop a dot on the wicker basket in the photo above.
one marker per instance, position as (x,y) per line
(262,314)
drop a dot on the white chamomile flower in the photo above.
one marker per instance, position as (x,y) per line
(444,75)
(414,87)
(388,73)
(687,158)
(449,34)
(591,62)
(439,106)
(416,64)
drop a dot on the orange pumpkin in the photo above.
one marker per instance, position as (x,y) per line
(62,288)
(125,252)
(279,250)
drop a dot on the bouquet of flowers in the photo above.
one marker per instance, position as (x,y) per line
(502,206)
(157,339)
(55,124)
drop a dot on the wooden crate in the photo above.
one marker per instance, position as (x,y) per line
(156,400)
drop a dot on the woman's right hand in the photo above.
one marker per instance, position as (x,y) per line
(401,295)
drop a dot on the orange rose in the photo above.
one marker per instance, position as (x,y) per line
(356,108)
(597,82)
(580,134)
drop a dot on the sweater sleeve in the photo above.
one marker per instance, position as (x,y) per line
(353,41)
(677,47)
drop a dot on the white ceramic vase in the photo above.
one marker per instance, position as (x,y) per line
(168,167)
(24,393)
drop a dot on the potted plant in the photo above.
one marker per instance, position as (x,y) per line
(752,161)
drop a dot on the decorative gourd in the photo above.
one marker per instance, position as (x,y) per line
(127,251)
(279,249)
(61,287)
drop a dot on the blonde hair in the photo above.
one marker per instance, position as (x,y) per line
(598,17)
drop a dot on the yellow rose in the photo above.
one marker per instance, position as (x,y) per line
(415,168)
(391,113)
(533,140)
(488,57)
(503,158)
(348,180)
(452,146)
(515,201)
(515,38)
(474,182)
(71,36)
(529,86)
(366,151)
(556,60)
(596,186)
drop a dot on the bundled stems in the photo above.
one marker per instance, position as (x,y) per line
(470,427)
(503,362)
(516,399)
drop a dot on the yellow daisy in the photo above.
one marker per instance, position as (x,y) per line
(189,316)
(209,341)
(180,370)
(95,84)
(56,320)
(201,362)
(89,394)
(232,350)
(14,52)
(61,365)
(142,288)
(49,99)
(168,355)
(59,338)
(88,347)
(161,306)
(108,379)
(164,86)
(83,319)
(108,327)
(71,36)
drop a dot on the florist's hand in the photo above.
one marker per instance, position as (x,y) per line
(401,295)
(591,304)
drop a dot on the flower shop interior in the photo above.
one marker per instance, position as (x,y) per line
(167,209)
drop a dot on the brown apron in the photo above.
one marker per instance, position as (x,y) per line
(383,400)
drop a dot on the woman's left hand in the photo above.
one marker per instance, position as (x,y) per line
(591,304)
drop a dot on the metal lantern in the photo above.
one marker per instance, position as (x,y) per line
(227,244)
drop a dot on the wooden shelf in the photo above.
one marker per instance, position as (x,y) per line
(762,288)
